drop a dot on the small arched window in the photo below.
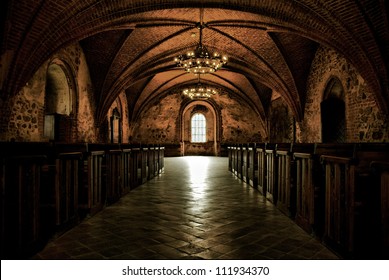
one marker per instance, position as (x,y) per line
(198,128)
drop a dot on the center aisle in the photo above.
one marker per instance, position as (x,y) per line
(196,209)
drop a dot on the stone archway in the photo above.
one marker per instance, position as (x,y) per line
(210,146)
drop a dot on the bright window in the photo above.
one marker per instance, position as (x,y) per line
(199,128)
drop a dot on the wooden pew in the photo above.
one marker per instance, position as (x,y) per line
(239,162)
(230,158)
(234,159)
(150,162)
(252,171)
(381,171)
(285,197)
(339,203)
(245,163)
(92,188)
(161,159)
(20,181)
(23,168)
(262,170)
(351,198)
(49,187)
(136,156)
(302,173)
(67,183)
(271,173)
(93,200)
(156,160)
(342,150)
(144,164)
(172,150)
(114,169)
(126,172)
(369,196)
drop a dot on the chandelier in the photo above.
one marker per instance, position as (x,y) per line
(199,91)
(199,61)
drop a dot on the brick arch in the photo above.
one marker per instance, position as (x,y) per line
(48,26)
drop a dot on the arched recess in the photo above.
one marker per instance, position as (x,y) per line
(333,113)
(60,103)
(115,116)
(211,146)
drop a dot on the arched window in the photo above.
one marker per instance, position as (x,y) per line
(198,128)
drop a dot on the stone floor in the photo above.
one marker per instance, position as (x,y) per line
(196,209)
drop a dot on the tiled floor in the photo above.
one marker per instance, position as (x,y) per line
(196,210)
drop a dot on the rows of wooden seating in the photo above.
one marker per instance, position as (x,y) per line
(47,188)
(336,192)
(381,171)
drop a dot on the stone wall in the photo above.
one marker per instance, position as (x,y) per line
(280,122)
(86,128)
(240,123)
(364,121)
(121,104)
(22,115)
(160,122)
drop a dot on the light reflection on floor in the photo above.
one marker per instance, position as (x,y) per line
(198,174)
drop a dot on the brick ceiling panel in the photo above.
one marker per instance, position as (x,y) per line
(100,50)
(264,48)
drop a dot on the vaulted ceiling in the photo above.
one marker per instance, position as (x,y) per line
(130,45)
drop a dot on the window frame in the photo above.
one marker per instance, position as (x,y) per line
(198,128)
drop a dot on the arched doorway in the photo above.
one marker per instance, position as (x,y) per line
(115,126)
(60,103)
(333,116)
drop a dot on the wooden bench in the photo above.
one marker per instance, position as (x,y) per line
(351,198)
(339,202)
(239,161)
(252,172)
(20,181)
(261,159)
(285,198)
(381,171)
(245,163)
(92,189)
(67,183)
(114,170)
(271,173)
(234,159)
(93,199)
(302,173)
(144,164)
(156,160)
(230,158)
(161,159)
(150,162)
(136,156)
